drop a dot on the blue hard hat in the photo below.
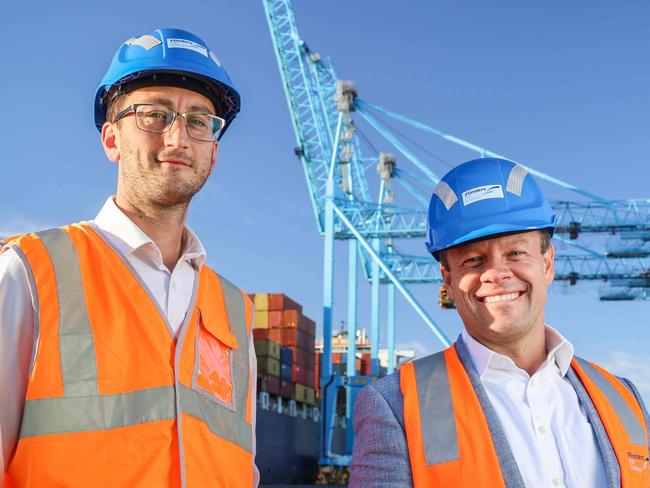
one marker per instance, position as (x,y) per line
(485,197)
(168,57)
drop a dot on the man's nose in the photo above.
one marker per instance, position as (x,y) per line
(496,271)
(177,134)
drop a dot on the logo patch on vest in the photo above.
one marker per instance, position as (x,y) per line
(638,462)
(482,193)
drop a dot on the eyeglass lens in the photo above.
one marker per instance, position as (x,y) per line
(200,126)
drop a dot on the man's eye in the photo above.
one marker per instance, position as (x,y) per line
(157,115)
(516,253)
(199,122)
(472,260)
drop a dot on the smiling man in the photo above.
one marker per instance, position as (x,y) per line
(508,404)
(124,359)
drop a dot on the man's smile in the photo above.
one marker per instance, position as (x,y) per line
(501,297)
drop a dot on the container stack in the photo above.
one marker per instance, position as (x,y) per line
(268,366)
(280,321)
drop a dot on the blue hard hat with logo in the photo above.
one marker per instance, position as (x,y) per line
(482,198)
(168,57)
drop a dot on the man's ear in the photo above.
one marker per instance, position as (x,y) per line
(549,264)
(215,150)
(110,142)
(446,279)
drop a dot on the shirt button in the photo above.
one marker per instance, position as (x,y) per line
(173,284)
(541,429)
(556,482)
(533,381)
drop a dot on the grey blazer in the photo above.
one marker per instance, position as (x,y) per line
(381,458)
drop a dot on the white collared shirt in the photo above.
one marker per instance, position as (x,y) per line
(172,292)
(547,429)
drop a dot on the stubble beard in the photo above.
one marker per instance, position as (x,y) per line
(152,189)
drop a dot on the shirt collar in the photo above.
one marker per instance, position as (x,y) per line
(560,352)
(559,349)
(124,234)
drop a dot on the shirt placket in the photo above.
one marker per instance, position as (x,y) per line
(547,448)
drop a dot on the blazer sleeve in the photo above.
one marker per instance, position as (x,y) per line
(380,458)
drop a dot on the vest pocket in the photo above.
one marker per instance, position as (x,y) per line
(213,366)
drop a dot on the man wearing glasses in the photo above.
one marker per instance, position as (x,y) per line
(124,359)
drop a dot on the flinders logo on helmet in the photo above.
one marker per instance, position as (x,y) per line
(187,44)
(482,193)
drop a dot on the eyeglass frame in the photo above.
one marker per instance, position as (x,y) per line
(134,107)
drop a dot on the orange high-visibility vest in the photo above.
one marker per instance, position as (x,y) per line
(113,398)
(449,440)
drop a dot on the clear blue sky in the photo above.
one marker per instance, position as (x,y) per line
(560,86)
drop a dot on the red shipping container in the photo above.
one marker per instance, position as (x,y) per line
(309,341)
(307,324)
(279,301)
(261,334)
(287,389)
(302,357)
(291,318)
(270,384)
(303,376)
(296,337)
(365,367)
(299,374)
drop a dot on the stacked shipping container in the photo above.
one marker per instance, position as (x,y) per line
(280,328)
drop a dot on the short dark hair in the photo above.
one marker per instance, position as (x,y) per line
(545,235)
(114,105)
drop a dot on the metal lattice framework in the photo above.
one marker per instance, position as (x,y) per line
(323,110)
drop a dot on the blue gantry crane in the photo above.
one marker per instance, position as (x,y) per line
(325,113)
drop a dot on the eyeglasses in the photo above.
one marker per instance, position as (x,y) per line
(159,119)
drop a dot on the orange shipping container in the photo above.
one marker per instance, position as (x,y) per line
(291,318)
(279,301)
(275,319)
(338,357)
(286,337)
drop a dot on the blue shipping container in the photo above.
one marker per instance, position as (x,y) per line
(285,371)
(286,355)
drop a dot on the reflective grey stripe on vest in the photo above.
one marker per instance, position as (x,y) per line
(84,414)
(437,420)
(630,422)
(76,343)
(222,421)
(101,412)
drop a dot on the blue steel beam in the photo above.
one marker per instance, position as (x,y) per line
(482,152)
(424,269)
(391,276)
(390,319)
(615,217)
